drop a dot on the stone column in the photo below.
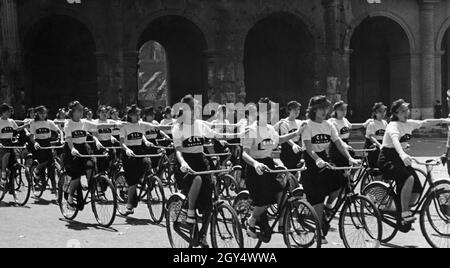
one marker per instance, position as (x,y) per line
(416,98)
(428,57)
(337,62)
(12,52)
(439,87)
(129,92)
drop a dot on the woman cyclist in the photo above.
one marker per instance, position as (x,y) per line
(291,150)
(168,120)
(318,136)
(41,130)
(134,142)
(7,128)
(375,131)
(76,133)
(258,145)
(61,118)
(395,163)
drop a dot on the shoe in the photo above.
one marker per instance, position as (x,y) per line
(251,231)
(129,212)
(71,206)
(324,240)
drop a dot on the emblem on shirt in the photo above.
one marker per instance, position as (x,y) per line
(7,130)
(344,130)
(134,136)
(193,141)
(380,132)
(42,131)
(266,144)
(105,131)
(405,138)
(321,139)
(79,134)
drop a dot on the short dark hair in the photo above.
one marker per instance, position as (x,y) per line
(394,108)
(132,110)
(38,110)
(293,105)
(315,103)
(377,106)
(5,108)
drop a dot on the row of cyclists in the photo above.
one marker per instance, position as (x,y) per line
(319,141)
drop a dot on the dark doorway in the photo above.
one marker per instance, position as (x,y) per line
(380,66)
(445,73)
(279,60)
(61,64)
(184,44)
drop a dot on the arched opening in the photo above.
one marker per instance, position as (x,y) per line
(60,63)
(184,45)
(279,60)
(152,73)
(380,66)
(445,63)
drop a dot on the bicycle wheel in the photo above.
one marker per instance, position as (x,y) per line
(227,187)
(360,223)
(301,225)
(177,231)
(156,199)
(121,188)
(243,207)
(226,230)
(37,186)
(63,188)
(3,189)
(104,201)
(22,185)
(435,219)
(386,202)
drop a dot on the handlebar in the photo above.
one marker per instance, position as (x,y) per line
(13,147)
(210,172)
(328,166)
(216,155)
(92,156)
(147,156)
(51,148)
(364,150)
(270,171)
(428,163)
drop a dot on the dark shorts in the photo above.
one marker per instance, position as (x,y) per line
(288,157)
(318,184)
(263,189)
(372,156)
(393,168)
(42,156)
(337,158)
(75,166)
(184,182)
(104,163)
(135,168)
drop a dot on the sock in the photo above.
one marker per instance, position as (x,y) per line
(191,213)
(3,175)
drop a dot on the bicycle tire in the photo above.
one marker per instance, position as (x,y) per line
(226,233)
(174,219)
(121,188)
(443,213)
(62,199)
(156,207)
(21,185)
(104,184)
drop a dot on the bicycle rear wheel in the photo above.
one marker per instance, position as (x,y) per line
(388,206)
(156,200)
(121,188)
(22,185)
(63,188)
(226,230)
(435,219)
(244,208)
(177,230)
(301,225)
(360,223)
(104,201)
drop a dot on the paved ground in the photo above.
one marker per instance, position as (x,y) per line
(40,225)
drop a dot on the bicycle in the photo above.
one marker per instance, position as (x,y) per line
(367,174)
(18,182)
(226,231)
(358,214)
(433,205)
(150,188)
(101,191)
(296,218)
(40,185)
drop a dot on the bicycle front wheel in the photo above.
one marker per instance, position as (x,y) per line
(360,223)
(22,185)
(301,225)
(177,230)
(63,194)
(104,201)
(121,188)
(435,219)
(156,200)
(226,230)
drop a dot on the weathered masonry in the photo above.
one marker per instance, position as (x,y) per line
(361,51)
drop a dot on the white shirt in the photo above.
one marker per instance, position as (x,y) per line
(401,131)
(7,128)
(168,122)
(191,138)
(133,134)
(343,127)
(321,135)
(42,130)
(78,131)
(60,123)
(376,128)
(261,141)
(286,126)
(104,134)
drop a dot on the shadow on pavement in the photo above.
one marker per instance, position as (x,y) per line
(388,245)
(42,202)
(79,226)
(11,205)
(141,222)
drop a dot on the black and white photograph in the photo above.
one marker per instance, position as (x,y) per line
(236,127)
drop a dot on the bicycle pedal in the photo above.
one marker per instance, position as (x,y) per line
(406,228)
